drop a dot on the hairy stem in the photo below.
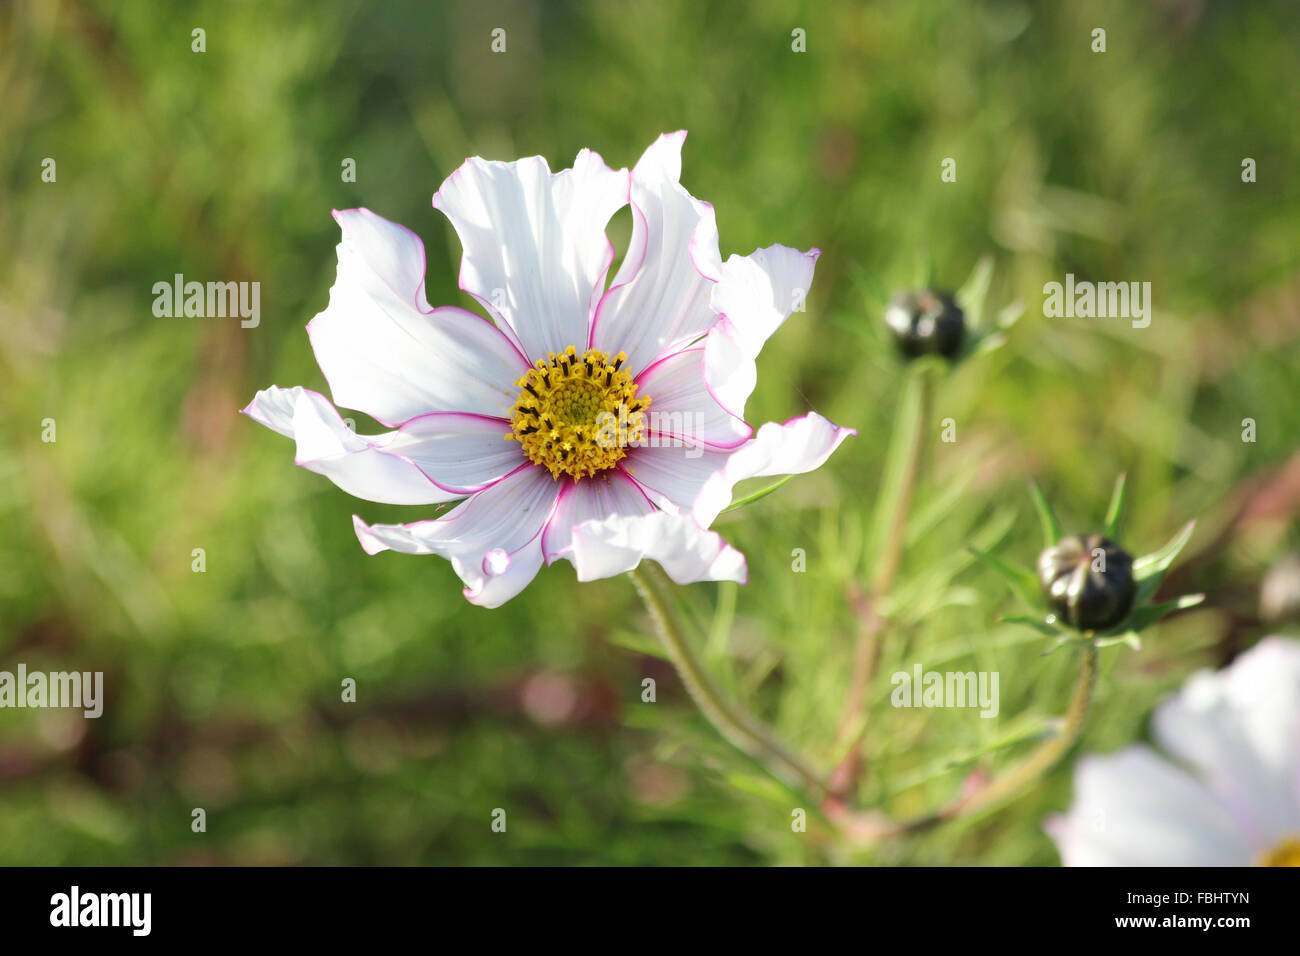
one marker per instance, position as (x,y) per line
(890,524)
(742,730)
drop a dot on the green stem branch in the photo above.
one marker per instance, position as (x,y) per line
(743,731)
(1033,766)
(896,499)
(889,534)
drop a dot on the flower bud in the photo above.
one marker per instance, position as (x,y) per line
(926,322)
(1088,581)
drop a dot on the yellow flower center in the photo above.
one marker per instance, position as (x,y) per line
(576,415)
(1286,853)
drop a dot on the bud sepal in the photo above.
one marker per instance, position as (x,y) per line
(1093,591)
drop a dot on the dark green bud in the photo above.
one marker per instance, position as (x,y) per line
(1088,581)
(926,322)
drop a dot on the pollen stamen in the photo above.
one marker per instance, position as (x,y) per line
(588,409)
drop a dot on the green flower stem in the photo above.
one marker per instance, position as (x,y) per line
(890,529)
(743,731)
(1034,766)
(902,470)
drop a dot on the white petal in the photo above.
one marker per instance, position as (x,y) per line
(1134,809)
(755,294)
(384,352)
(686,551)
(659,300)
(729,369)
(507,577)
(681,406)
(673,474)
(794,448)
(591,499)
(364,466)
(461,453)
(493,540)
(274,407)
(535,249)
(1240,728)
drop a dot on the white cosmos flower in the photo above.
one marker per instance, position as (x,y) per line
(587,419)
(1229,797)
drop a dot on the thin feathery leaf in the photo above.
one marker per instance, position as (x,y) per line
(1010,314)
(1022,582)
(1129,637)
(1046,517)
(974,291)
(761,493)
(1157,562)
(1149,614)
(1040,624)
(1115,513)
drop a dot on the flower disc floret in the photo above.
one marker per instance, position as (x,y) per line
(577,414)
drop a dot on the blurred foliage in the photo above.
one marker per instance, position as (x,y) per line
(223,687)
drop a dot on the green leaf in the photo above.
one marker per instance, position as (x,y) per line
(974,290)
(1116,510)
(761,493)
(1022,582)
(1010,314)
(1040,624)
(985,343)
(1155,564)
(1025,730)
(1061,641)
(909,420)
(1046,517)
(940,507)
(1129,637)
(718,641)
(1143,617)
(760,786)
(638,643)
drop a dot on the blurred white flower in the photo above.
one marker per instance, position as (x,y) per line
(1229,797)
(665,354)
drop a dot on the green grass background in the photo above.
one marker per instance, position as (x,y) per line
(223,687)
